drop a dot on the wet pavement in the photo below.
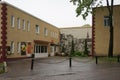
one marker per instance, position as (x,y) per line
(57,68)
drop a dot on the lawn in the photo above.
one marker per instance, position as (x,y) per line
(107,59)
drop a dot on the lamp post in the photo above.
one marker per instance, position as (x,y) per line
(72,50)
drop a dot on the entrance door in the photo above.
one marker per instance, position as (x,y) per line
(52,51)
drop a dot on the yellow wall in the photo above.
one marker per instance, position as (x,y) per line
(20,35)
(102,32)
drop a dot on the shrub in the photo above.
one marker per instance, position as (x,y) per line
(1,68)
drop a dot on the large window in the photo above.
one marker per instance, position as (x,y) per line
(28,26)
(18,47)
(37,29)
(12,47)
(40,49)
(18,23)
(23,24)
(12,21)
(106,21)
(45,31)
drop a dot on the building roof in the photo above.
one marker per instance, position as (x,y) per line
(78,32)
(4,2)
(84,26)
(105,6)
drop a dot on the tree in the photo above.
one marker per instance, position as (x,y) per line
(84,7)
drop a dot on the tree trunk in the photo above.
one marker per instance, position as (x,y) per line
(110,9)
(110,52)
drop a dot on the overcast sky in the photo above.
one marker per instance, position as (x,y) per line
(60,13)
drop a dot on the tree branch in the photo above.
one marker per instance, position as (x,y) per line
(108,6)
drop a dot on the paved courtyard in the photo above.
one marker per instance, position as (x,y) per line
(57,68)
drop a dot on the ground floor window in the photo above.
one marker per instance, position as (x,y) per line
(40,49)
(12,47)
(23,48)
(18,47)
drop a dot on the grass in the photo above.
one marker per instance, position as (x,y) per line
(107,59)
(1,68)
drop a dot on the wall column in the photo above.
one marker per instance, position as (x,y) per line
(3,31)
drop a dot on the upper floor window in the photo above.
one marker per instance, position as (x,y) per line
(12,21)
(18,23)
(37,29)
(28,26)
(106,21)
(45,31)
(51,33)
(23,24)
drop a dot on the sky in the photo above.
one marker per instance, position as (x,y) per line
(60,13)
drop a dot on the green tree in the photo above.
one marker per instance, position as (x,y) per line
(84,7)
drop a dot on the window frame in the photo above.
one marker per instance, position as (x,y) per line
(41,49)
(45,31)
(12,21)
(12,46)
(18,23)
(28,26)
(106,21)
(23,24)
(19,47)
(37,29)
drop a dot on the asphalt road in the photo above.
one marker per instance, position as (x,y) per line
(57,68)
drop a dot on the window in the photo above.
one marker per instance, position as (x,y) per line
(45,31)
(106,21)
(45,49)
(51,33)
(37,29)
(23,24)
(40,49)
(12,21)
(28,26)
(18,23)
(18,47)
(54,34)
(37,49)
(12,47)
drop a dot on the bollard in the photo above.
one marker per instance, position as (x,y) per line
(96,59)
(70,62)
(32,61)
(5,66)
(118,60)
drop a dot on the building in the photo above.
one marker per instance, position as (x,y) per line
(78,34)
(100,31)
(23,34)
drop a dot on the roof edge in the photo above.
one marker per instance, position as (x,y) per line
(4,2)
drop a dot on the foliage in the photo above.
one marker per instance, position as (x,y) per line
(107,59)
(1,68)
(84,7)
(78,54)
(63,49)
